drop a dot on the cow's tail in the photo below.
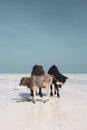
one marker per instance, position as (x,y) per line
(54,77)
(57,82)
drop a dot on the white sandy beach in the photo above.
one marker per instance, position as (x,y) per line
(69,112)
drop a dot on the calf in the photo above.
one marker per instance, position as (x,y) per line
(34,82)
(59,77)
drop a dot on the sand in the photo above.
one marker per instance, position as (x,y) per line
(69,112)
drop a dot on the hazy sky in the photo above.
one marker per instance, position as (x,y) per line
(43,32)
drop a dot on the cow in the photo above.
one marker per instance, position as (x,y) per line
(37,70)
(60,77)
(33,82)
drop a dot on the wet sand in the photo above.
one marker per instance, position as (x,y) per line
(69,112)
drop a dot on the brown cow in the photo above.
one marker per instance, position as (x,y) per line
(34,82)
(37,70)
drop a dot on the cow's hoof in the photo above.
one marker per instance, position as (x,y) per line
(58,96)
(45,100)
(51,94)
(41,95)
(54,92)
(33,100)
(32,95)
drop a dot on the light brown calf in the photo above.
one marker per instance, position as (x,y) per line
(34,82)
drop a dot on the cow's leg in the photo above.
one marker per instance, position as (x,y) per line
(56,87)
(51,92)
(31,92)
(54,91)
(48,94)
(40,92)
(58,95)
(34,95)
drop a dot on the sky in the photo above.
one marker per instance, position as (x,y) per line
(43,32)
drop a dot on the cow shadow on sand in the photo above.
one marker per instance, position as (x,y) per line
(26,97)
(23,97)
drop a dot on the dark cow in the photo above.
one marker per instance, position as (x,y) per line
(34,82)
(37,70)
(60,77)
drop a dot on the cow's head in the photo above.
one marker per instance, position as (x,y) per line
(25,81)
(59,84)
